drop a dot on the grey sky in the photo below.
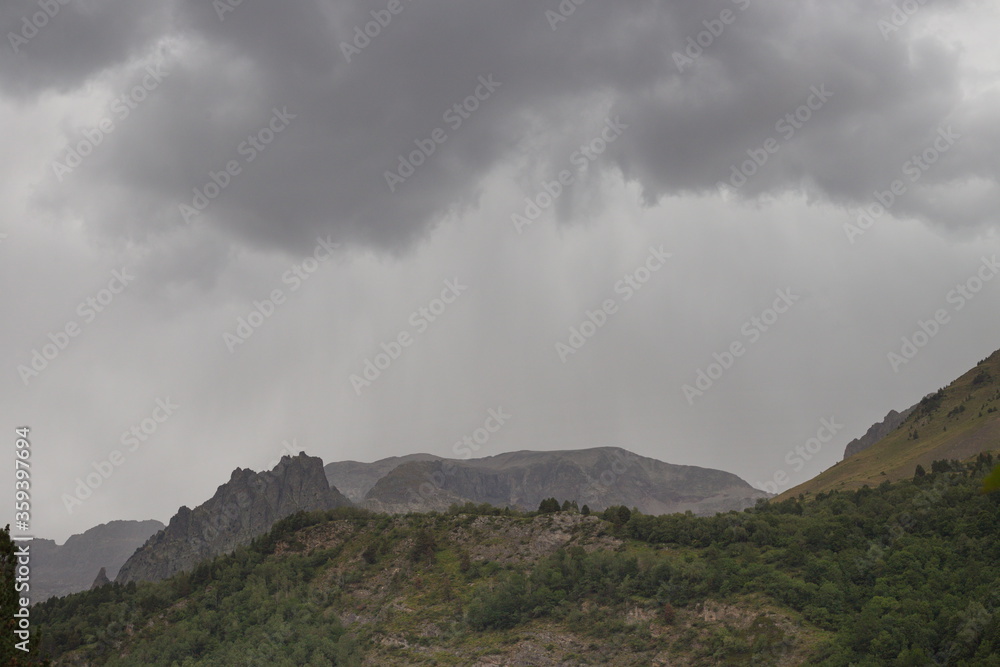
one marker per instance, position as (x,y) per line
(833,104)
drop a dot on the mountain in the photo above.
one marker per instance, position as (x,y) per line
(956,422)
(241,509)
(68,568)
(599,477)
(892,421)
(355,479)
(899,574)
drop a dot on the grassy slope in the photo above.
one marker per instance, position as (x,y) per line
(941,436)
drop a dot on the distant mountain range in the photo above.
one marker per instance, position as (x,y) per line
(59,570)
(955,422)
(599,477)
(250,503)
(355,479)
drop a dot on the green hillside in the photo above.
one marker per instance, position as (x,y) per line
(956,422)
(901,574)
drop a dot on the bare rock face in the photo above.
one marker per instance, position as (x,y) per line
(599,477)
(101,580)
(878,431)
(241,509)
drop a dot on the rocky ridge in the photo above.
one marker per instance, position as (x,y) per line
(241,509)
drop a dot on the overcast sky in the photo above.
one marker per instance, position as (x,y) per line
(169,164)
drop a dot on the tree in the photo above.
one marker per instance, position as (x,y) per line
(624,514)
(619,515)
(548,506)
(585,510)
(992,481)
(669,614)
(424,546)
(920,472)
(464,561)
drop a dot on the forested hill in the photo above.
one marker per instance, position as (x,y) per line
(907,573)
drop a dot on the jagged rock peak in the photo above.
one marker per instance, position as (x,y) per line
(241,509)
(101,580)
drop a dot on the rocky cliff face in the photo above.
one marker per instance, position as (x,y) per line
(59,570)
(878,431)
(598,477)
(241,509)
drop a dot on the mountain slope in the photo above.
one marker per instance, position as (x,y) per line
(956,422)
(71,567)
(901,574)
(355,479)
(241,509)
(599,477)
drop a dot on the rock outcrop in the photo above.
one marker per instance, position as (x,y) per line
(241,509)
(878,431)
(101,580)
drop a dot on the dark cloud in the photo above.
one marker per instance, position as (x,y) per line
(56,45)
(689,124)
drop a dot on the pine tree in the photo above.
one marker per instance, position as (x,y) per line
(548,506)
